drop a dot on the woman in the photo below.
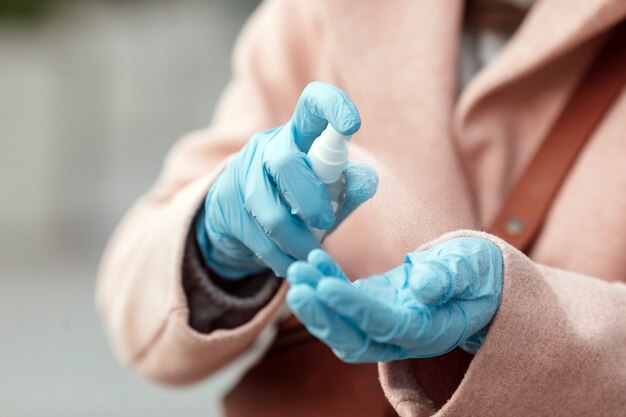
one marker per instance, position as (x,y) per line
(194,278)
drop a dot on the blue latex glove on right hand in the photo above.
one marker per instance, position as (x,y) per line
(438,299)
(258,212)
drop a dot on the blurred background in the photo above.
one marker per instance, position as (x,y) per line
(92,94)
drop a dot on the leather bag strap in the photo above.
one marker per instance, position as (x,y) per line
(520,220)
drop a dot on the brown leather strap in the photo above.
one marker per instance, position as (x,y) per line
(521,218)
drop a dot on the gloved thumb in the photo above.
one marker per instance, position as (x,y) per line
(361,185)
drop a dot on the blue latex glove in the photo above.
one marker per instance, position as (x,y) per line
(258,212)
(437,299)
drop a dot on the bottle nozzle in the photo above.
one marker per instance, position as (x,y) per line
(329,154)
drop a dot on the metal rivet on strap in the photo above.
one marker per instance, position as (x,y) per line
(514,226)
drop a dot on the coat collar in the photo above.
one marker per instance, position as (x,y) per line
(551,29)
(495,141)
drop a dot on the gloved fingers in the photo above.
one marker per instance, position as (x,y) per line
(378,319)
(323,323)
(320,104)
(347,342)
(361,185)
(326,265)
(300,188)
(361,182)
(268,252)
(459,268)
(372,352)
(286,232)
(447,328)
(265,205)
(302,272)
(230,258)
(224,254)
(431,282)
(210,226)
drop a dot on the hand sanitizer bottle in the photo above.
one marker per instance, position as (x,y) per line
(328,156)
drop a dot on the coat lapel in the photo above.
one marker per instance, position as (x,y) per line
(551,29)
(504,112)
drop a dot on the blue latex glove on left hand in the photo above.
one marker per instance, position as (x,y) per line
(436,300)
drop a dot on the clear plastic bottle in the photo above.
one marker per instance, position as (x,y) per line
(328,156)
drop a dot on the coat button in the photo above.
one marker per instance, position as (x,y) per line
(514,226)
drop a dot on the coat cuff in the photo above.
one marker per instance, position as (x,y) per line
(551,349)
(160,343)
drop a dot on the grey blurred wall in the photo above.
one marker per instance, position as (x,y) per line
(91,98)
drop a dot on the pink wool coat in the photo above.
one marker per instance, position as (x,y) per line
(557,345)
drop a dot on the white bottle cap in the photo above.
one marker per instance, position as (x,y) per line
(329,154)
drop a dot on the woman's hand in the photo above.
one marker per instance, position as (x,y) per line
(258,212)
(437,299)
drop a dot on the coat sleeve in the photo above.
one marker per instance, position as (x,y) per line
(557,347)
(140,297)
